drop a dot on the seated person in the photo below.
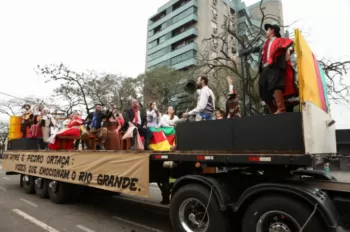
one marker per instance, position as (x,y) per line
(163,135)
(138,118)
(220,114)
(113,126)
(169,119)
(72,130)
(95,125)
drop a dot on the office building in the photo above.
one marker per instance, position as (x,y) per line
(176,32)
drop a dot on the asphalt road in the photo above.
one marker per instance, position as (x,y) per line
(22,212)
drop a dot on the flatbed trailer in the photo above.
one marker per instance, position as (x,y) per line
(259,190)
(271,192)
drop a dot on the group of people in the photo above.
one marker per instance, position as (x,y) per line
(150,129)
(37,123)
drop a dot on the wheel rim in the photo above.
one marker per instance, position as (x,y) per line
(39,183)
(25,179)
(53,186)
(277,221)
(193,216)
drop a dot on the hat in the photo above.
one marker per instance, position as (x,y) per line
(275,27)
(26,105)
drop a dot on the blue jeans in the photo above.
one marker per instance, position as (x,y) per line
(206,116)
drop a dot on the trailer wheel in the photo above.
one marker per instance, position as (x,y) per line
(28,183)
(188,211)
(42,187)
(58,192)
(279,213)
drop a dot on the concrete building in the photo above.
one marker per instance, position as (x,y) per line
(177,30)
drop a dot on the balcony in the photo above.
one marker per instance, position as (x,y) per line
(192,46)
(192,31)
(174,26)
(184,64)
(172,14)
(151,26)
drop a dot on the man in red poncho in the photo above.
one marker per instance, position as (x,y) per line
(276,80)
(276,71)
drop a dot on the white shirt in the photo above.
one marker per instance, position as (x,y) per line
(167,122)
(269,47)
(203,98)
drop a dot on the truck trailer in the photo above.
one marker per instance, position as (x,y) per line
(268,183)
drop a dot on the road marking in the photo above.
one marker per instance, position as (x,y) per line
(28,202)
(85,228)
(34,220)
(6,178)
(3,189)
(140,201)
(137,224)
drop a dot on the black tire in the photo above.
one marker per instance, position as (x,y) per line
(43,190)
(295,209)
(29,187)
(218,220)
(61,195)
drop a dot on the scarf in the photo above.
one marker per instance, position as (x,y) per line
(136,115)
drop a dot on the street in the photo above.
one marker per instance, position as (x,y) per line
(23,212)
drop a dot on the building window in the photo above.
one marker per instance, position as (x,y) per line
(180,4)
(158,17)
(183,57)
(153,44)
(162,39)
(157,54)
(184,14)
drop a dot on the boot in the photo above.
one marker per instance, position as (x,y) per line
(279,98)
(132,143)
(271,106)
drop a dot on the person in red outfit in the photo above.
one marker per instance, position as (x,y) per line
(73,129)
(274,64)
(276,71)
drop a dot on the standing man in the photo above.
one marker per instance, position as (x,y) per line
(139,119)
(206,101)
(275,80)
(27,119)
(273,69)
(95,121)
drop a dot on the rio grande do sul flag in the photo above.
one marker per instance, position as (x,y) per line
(162,138)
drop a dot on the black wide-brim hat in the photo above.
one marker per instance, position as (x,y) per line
(25,105)
(275,27)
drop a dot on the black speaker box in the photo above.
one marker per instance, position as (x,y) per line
(26,144)
(256,134)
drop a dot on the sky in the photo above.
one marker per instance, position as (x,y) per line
(110,36)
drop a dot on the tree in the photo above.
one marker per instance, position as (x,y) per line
(3,136)
(336,72)
(88,88)
(218,59)
(160,85)
(76,83)
(13,106)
